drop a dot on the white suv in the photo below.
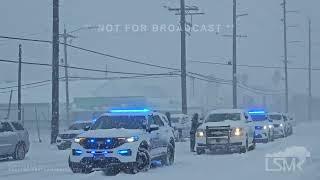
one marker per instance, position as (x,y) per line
(282,127)
(128,140)
(229,130)
(264,129)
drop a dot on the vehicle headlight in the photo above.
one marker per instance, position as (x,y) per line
(270,126)
(265,127)
(281,125)
(200,133)
(237,131)
(79,140)
(132,139)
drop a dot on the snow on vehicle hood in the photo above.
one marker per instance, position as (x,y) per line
(232,124)
(72,132)
(104,133)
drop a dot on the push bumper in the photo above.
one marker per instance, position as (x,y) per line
(101,163)
(235,146)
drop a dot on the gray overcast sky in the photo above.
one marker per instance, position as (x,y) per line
(33,18)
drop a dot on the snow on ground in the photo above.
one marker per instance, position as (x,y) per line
(46,162)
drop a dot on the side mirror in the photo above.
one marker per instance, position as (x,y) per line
(87,128)
(153,127)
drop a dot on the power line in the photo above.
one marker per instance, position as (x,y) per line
(255,66)
(103,54)
(77,68)
(91,51)
(28,84)
(243,86)
(32,84)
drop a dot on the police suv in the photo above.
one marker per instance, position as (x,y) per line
(124,139)
(264,129)
(227,129)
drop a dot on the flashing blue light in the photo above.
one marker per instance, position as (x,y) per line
(76,152)
(93,152)
(125,152)
(92,140)
(108,140)
(130,110)
(257,112)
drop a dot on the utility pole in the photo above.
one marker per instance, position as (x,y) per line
(285,56)
(183,58)
(55,73)
(182,12)
(309,67)
(66,74)
(9,106)
(19,83)
(234,56)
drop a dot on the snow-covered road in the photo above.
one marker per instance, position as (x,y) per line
(46,162)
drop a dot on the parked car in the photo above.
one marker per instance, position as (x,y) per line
(182,125)
(65,138)
(14,140)
(227,129)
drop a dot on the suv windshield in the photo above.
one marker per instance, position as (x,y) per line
(79,126)
(275,117)
(117,122)
(223,116)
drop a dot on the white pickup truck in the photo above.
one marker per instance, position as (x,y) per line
(227,129)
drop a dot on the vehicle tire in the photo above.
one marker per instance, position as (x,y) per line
(143,162)
(200,151)
(168,160)
(245,148)
(20,152)
(111,171)
(272,137)
(78,169)
(253,146)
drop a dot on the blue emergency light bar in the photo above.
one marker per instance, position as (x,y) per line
(259,112)
(129,110)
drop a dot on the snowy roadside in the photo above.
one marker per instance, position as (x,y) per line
(45,161)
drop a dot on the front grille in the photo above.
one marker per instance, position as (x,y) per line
(101,163)
(218,131)
(67,136)
(276,125)
(102,143)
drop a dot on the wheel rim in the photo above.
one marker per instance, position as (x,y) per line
(142,161)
